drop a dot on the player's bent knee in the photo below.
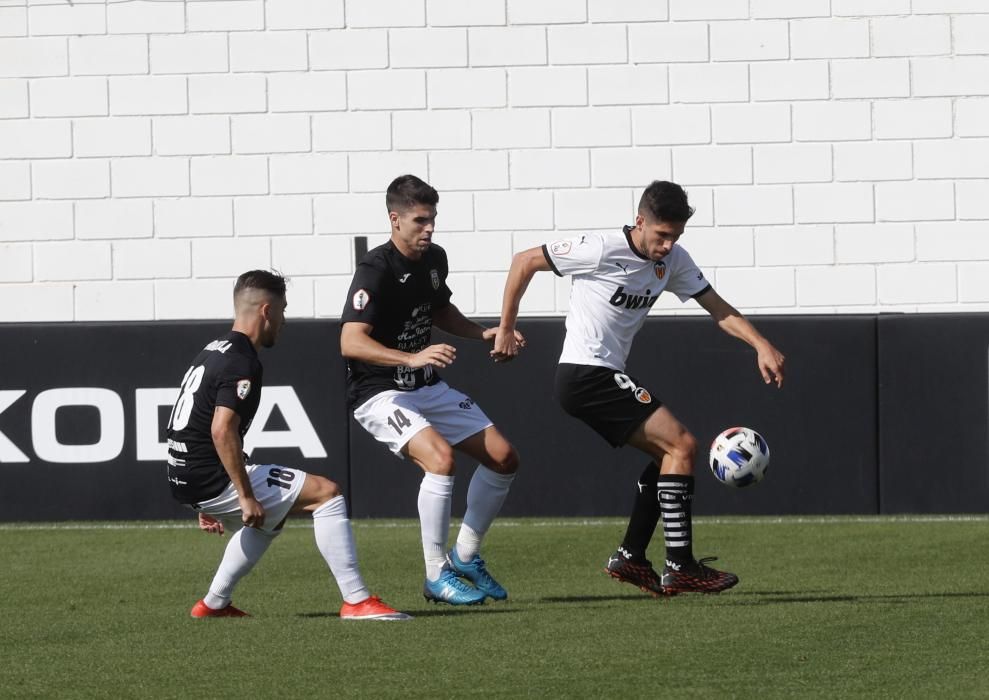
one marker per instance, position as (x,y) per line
(685,447)
(506,462)
(444,457)
(317,490)
(444,465)
(440,461)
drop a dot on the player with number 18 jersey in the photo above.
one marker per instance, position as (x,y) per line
(209,472)
(227,372)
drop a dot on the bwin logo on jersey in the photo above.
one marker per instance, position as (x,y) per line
(632,301)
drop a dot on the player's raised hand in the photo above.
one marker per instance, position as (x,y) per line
(771,363)
(207,523)
(251,512)
(439,355)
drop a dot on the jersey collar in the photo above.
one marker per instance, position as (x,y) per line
(243,342)
(627,230)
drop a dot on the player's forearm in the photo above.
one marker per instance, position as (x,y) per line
(360,346)
(737,326)
(230,450)
(451,320)
(520,274)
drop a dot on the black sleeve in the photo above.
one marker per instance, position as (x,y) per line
(364,300)
(443,293)
(238,385)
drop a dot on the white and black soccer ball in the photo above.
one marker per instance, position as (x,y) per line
(739,457)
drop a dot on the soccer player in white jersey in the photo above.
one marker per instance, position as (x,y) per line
(616,279)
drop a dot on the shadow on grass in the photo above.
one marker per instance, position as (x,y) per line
(772,597)
(775,597)
(438,612)
(601,598)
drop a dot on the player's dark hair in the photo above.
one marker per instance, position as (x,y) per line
(261,279)
(665,201)
(406,191)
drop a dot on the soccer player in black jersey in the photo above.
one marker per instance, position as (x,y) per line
(617,277)
(398,294)
(208,470)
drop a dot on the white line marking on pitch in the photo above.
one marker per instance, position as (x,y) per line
(600,522)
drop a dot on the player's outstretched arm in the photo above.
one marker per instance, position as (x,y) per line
(524,266)
(356,343)
(225,431)
(732,322)
(451,320)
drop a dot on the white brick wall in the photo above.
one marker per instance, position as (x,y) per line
(837,151)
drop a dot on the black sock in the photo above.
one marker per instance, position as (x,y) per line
(645,514)
(676,492)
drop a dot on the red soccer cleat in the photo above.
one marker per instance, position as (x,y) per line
(200,609)
(372,608)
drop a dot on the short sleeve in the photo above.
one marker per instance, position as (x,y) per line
(687,280)
(364,297)
(574,256)
(443,293)
(237,384)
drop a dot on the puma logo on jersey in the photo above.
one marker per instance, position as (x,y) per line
(632,301)
(404,277)
(624,267)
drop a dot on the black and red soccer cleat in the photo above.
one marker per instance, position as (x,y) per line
(695,577)
(637,571)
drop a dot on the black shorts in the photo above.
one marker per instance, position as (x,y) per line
(613,403)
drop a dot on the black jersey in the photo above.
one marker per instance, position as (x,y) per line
(226,372)
(397,297)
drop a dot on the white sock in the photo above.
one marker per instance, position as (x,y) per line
(485,495)
(245,548)
(335,541)
(435,496)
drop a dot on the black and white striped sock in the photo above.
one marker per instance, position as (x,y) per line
(676,493)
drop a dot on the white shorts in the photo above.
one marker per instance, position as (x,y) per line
(276,488)
(395,417)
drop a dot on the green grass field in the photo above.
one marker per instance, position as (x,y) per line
(890,608)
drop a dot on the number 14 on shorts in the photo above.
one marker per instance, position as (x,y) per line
(398,421)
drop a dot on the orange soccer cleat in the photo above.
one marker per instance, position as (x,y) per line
(372,608)
(200,609)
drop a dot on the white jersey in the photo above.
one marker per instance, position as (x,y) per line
(614,286)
